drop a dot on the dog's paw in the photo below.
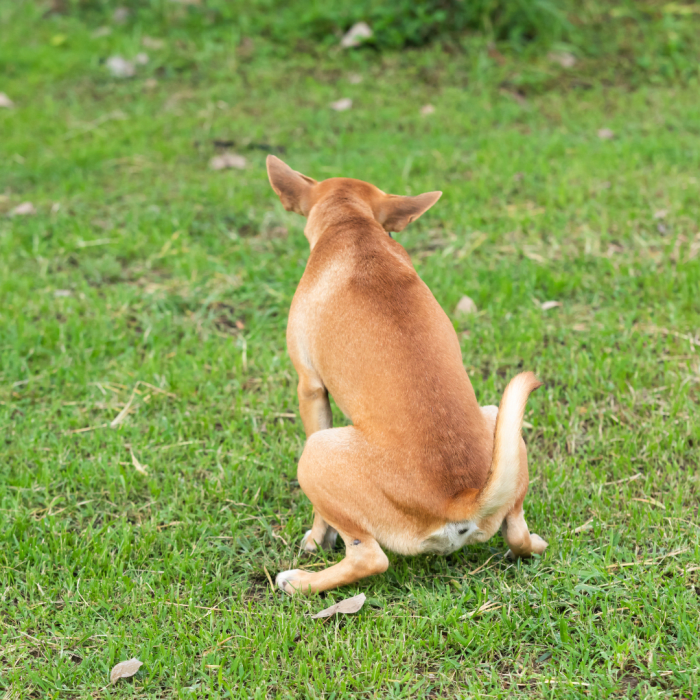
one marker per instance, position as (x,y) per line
(327,543)
(307,544)
(284,579)
(538,544)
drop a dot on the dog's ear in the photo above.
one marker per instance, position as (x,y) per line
(293,188)
(395,212)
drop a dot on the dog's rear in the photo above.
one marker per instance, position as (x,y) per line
(421,468)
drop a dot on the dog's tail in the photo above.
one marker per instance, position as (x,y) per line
(502,479)
(500,489)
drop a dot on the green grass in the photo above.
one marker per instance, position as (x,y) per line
(162,281)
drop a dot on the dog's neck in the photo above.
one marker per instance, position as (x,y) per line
(332,215)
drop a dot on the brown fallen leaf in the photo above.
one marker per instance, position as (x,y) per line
(125,669)
(661,214)
(564,59)
(356,35)
(347,606)
(120,68)
(354,78)
(550,305)
(24,209)
(465,306)
(606,134)
(120,15)
(425,110)
(342,104)
(227,160)
(148,42)
(5,101)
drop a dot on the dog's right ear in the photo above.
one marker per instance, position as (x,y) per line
(293,188)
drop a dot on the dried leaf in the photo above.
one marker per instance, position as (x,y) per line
(354,78)
(342,104)
(227,160)
(465,306)
(356,35)
(120,68)
(661,214)
(427,109)
(141,59)
(550,305)
(140,468)
(24,209)
(606,134)
(564,59)
(5,101)
(125,669)
(120,15)
(63,293)
(148,42)
(347,606)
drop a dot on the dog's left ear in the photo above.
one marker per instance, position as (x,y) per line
(293,188)
(395,212)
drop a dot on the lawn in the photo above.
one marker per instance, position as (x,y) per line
(148,407)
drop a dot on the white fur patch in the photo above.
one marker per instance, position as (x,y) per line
(452,537)
(282,580)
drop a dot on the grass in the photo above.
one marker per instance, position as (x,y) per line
(146,279)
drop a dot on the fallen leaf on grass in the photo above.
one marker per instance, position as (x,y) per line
(425,110)
(5,101)
(141,58)
(24,209)
(227,160)
(564,59)
(550,305)
(347,606)
(354,78)
(120,15)
(342,104)
(125,669)
(465,306)
(120,68)
(356,35)
(606,134)
(148,42)
(661,214)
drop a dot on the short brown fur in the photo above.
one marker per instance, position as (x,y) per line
(420,459)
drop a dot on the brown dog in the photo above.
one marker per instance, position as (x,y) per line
(422,468)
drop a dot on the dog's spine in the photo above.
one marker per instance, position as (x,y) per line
(501,484)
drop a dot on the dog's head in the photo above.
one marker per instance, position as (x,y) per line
(301,194)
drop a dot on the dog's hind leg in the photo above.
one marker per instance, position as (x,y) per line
(521,542)
(335,472)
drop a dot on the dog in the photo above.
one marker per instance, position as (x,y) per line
(422,468)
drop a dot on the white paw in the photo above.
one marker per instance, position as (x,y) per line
(282,580)
(307,544)
(327,543)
